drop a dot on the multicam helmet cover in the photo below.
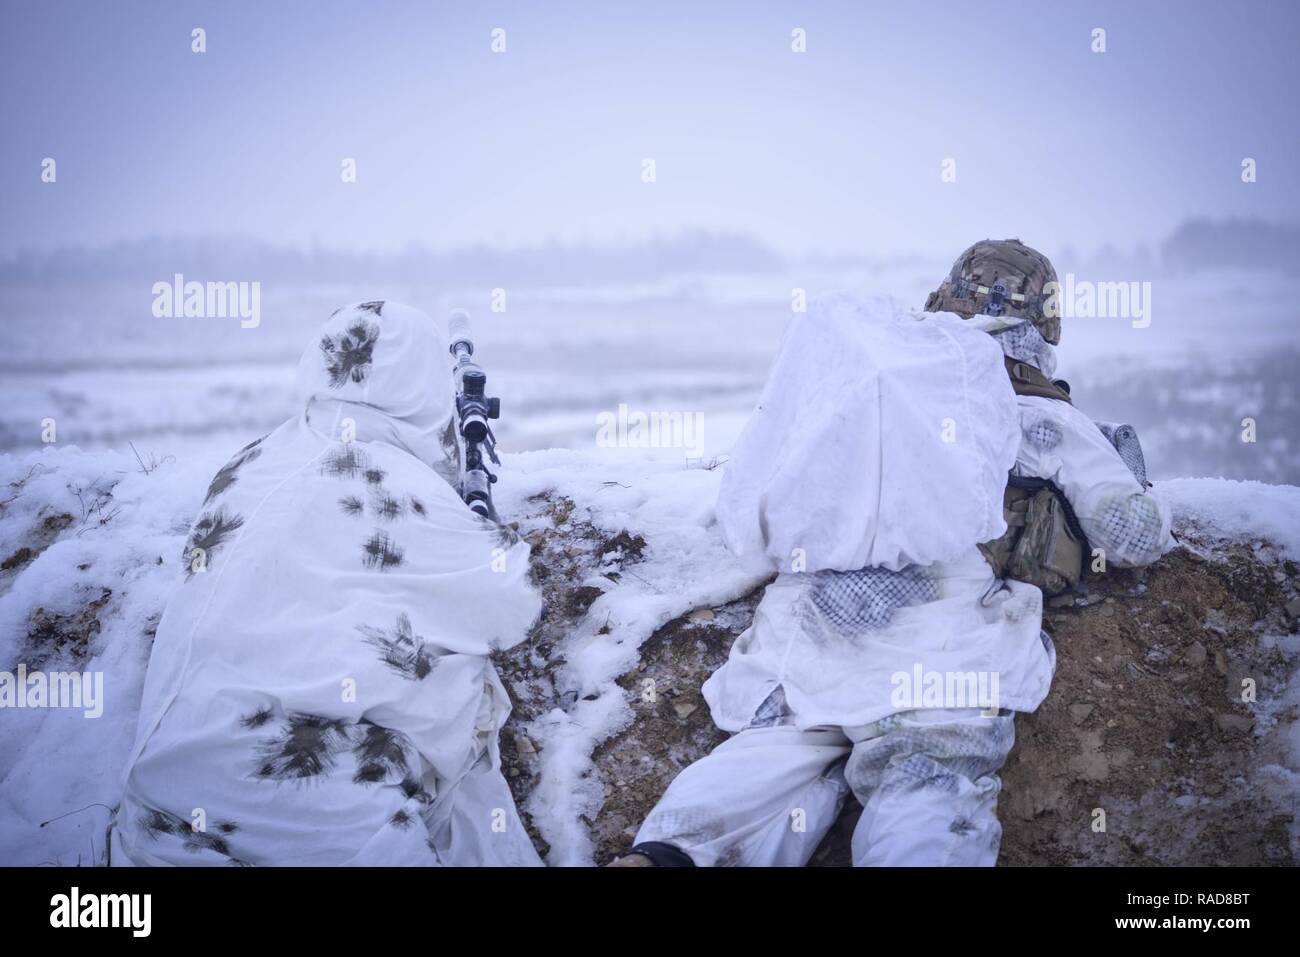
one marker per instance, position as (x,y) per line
(1002,277)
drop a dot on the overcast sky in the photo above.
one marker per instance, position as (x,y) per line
(837,149)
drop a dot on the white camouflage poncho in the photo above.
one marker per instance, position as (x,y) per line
(874,464)
(320,690)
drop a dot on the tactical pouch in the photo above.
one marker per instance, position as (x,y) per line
(1043,544)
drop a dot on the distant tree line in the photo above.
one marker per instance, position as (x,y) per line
(1239,243)
(1196,245)
(552,263)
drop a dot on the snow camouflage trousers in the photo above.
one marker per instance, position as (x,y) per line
(927,781)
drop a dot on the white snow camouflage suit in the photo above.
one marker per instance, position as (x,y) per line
(319,691)
(927,776)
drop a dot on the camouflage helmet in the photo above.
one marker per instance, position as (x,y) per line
(1001,277)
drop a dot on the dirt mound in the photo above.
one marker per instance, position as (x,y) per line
(1152,747)
(1150,728)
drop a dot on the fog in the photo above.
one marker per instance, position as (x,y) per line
(630,200)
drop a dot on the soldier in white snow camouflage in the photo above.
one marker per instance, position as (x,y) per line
(927,776)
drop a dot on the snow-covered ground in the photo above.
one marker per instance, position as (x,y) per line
(1218,348)
(91,543)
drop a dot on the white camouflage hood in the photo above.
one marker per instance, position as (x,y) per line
(881,439)
(385,367)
